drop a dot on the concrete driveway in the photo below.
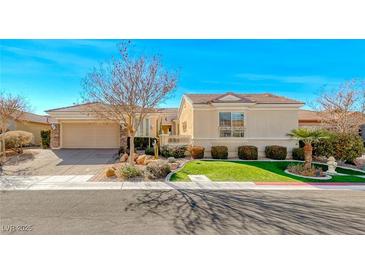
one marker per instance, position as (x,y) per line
(36,162)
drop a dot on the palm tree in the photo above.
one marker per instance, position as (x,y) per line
(309,137)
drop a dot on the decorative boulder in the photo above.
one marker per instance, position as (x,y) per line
(110,172)
(141,159)
(124,158)
(360,162)
(135,156)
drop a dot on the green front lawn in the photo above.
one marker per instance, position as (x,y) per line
(253,171)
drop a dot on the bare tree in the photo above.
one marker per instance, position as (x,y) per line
(343,109)
(11,108)
(125,89)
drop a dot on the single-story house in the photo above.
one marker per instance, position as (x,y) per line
(76,127)
(234,119)
(230,119)
(32,123)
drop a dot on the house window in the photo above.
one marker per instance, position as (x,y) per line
(231,124)
(184,126)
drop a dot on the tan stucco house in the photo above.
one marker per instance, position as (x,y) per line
(230,119)
(234,119)
(32,123)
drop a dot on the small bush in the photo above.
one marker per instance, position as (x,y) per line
(171,160)
(343,146)
(276,152)
(298,154)
(219,152)
(247,153)
(173,151)
(15,140)
(129,171)
(46,138)
(157,169)
(196,152)
(149,151)
(301,170)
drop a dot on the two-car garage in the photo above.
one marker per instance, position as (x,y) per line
(90,135)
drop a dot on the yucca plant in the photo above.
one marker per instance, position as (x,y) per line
(309,137)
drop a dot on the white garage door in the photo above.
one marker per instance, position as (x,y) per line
(90,135)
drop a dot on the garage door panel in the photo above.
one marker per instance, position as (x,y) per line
(90,135)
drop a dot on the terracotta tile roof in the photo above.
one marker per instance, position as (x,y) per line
(308,115)
(260,98)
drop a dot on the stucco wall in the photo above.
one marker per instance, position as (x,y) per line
(187,117)
(34,128)
(262,127)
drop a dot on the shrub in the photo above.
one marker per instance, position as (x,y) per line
(141,142)
(219,152)
(166,151)
(157,169)
(179,151)
(342,146)
(301,170)
(46,138)
(149,151)
(15,140)
(247,153)
(171,160)
(196,152)
(276,152)
(298,154)
(173,151)
(129,171)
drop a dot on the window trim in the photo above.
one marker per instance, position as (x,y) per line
(231,128)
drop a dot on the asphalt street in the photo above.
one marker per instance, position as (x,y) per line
(182,212)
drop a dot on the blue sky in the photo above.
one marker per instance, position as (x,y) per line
(49,72)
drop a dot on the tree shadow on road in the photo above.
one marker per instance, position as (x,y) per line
(249,212)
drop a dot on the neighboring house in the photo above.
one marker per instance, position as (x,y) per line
(77,128)
(309,119)
(313,120)
(230,119)
(32,123)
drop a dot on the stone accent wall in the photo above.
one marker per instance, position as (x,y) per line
(55,136)
(123,137)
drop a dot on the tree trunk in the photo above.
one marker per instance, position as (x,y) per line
(131,149)
(3,149)
(308,149)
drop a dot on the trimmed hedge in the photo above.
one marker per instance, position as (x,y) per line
(173,151)
(46,138)
(248,152)
(298,154)
(196,152)
(276,152)
(219,152)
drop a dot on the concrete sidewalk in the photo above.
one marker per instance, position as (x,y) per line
(81,182)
